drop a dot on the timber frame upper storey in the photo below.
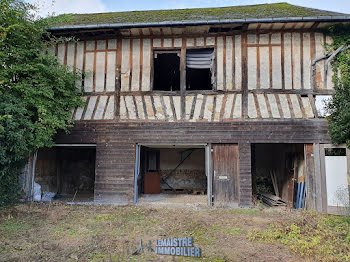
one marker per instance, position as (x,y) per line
(264,90)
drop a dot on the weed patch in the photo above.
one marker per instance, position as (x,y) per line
(325,238)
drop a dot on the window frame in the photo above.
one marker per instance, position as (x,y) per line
(181,51)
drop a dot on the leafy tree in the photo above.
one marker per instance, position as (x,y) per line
(37,94)
(339,106)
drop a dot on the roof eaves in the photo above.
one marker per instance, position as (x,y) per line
(205,22)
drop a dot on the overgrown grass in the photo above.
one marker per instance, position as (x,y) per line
(325,238)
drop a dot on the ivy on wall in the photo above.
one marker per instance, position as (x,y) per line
(339,106)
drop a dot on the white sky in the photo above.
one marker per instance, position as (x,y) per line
(95,6)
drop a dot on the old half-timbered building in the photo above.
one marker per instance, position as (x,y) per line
(220,102)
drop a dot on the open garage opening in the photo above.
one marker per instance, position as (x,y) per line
(172,175)
(67,173)
(278,174)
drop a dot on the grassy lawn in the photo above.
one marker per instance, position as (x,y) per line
(57,232)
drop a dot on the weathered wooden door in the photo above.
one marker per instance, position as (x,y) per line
(225,166)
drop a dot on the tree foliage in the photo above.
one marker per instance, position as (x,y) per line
(339,106)
(37,94)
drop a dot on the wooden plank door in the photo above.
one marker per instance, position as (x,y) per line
(225,166)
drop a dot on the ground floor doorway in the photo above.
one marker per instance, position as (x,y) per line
(278,174)
(67,173)
(174,174)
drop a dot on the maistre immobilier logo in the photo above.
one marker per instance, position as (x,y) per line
(177,247)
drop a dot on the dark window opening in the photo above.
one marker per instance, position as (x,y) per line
(199,69)
(166,72)
(198,79)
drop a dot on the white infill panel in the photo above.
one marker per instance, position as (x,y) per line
(218,106)
(284,106)
(296,60)
(229,65)
(189,102)
(146,65)
(135,80)
(90,108)
(220,63)
(210,41)
(112,43)
(101,44)
(177,105)
(159,109)
(100,107)
(131,107)
(70,55)
(90,45)
(276,68)
(157,42)
(110,108)
(208,109)
(238,62)
(273,105)
(80,55)
(228,106)
(251,107)
(264,68)
(200,41)
(139,106)
(177,42)
(319,46)
(125,66)
(122,111)
(288,61)
(168,108)
(80,110)
(252,53)
(61,49)
(296,106)
(198,106)
(190,42)
(110,76)
(237,110)
(307,107)
(167,42)
(306,61)
(100,71)
(89,72)
(336,181)
(149,108)
(262,105)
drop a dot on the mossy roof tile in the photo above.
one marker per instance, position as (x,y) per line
(278,10)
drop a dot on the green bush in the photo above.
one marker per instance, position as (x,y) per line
(37,94)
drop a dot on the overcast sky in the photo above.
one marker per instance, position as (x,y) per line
(96,6)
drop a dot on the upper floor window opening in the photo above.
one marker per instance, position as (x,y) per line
(199,69)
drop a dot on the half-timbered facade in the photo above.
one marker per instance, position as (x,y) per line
(231,88)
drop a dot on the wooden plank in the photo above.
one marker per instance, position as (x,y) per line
(296,43)
(264,68)
(284,105)
(262,105)
(219,64)
(306,61)
(273,105)
(89,67)
(252,111)
(237,109)
(90,108)
(110,73)
(225,182)
(310,200)
(219,99)
(135,81)
(100,107)
(238,62)
(208,110)
(110,109)
(100,72)
(125,65)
